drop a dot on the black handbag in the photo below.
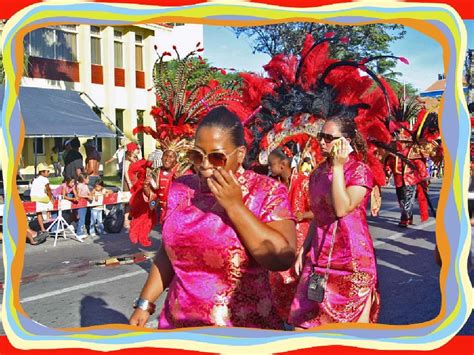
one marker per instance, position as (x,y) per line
(317,283)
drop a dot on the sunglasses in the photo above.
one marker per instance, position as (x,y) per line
(216,159)
(328,138)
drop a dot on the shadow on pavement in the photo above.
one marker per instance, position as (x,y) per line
(410,289)
(95,311)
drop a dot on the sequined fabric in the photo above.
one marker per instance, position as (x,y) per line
(351,292)
(284,283)
(216,282)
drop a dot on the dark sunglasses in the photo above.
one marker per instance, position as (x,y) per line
(216,159)
(328,138)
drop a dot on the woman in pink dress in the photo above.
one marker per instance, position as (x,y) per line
(339,189)
(225,228)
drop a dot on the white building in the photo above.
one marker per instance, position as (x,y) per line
(112,65)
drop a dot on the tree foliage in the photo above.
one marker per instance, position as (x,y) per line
(364,41)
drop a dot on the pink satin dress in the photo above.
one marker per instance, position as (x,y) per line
(216,282)
(351,293)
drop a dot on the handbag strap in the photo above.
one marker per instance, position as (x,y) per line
(328,266)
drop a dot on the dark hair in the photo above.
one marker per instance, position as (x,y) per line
(221,117)
(280,154)
(99,182)
(75,143)
(82,177)
(307,159)
(67,180)
(348,129)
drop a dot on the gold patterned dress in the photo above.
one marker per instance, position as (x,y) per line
(216,282)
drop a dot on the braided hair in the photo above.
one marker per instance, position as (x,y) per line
(349,130)
(280,154)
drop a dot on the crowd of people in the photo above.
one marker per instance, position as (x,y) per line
(81,181)
(245,249)
(261,197)
(263,215)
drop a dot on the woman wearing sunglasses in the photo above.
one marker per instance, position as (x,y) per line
(338,280)
(225,228)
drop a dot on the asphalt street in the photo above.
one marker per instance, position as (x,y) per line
(93,283)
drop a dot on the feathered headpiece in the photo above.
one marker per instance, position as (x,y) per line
(185,91)
(308,91)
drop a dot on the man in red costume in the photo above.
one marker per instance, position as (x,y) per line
(409,180)
(157,189)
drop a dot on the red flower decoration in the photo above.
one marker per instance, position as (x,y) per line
(329,35)
(345,40)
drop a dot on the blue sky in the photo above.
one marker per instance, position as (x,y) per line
(223,49)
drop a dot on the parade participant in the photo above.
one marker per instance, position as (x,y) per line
(174,130)
(298,96)
(406,178)
(159,189)
(338,280)
(306,166)
(130,158)
(414,143)
(225,228)
(283,284)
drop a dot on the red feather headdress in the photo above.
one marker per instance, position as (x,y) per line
(307,91)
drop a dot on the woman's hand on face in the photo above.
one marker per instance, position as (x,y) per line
(225,187)
(340,153)
(139,317)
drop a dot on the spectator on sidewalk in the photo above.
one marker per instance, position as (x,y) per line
(118,156)
(73,161)
(83,192)
(92,161)
(55,161)
(42,195)
(97,196)
(67,190)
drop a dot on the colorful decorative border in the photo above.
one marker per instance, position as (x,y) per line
(440,22)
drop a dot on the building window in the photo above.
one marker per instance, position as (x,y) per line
(58,42)
(139,52)
(38,146)
(97,111)
(95,45)
(118,49)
